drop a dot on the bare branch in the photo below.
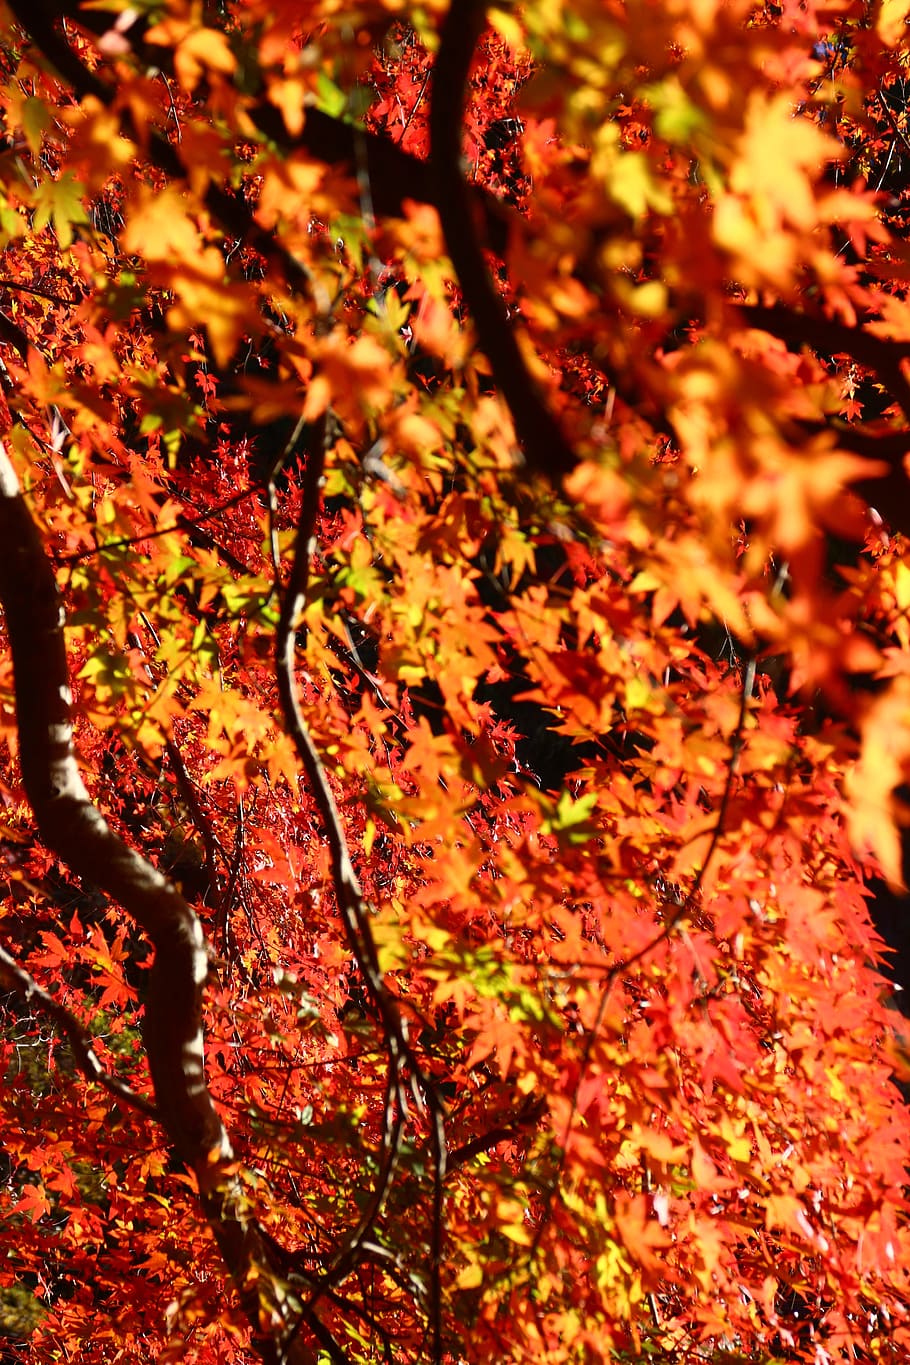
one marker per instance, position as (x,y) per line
(349,894)
(73,827)
(545,446)
(37,293)
(182,523)
(14,977)
(527,1116)
(346,883)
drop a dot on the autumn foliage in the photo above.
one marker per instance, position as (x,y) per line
(455,680)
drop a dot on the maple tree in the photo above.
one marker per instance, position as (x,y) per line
(455,680)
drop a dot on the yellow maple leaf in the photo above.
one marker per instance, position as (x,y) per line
(289,189)
(228,314)
(883,764)
(777,156)
(288,93)
(96,146)
(891,24)
(198,51)
(160,229)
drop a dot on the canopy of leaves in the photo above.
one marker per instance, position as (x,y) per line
(454,680)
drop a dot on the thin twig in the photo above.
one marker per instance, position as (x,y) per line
(347,1253)
(889,115)
(529,1114)
(38,293)
(438,1147)
(15,978)
(683,910)
(181,524)
(348,892)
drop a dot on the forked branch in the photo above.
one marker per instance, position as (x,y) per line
(353,909)
(72,826)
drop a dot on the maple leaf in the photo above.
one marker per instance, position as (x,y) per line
(33,1202)
(879,771)
(434,633)
(197,51)
(61,202)
(639,1230)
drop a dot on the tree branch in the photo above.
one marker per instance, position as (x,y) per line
(37,19)
(14,977)
(348,891)
(349,894)
(826,336)
(13,335)
(76,831)
(181,523)
(545,446)
(394,176)
(887,487)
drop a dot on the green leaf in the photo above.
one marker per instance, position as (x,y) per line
(633,186)
(676,118)
(571,820)
(59,202)
(332,100)
(35,119)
